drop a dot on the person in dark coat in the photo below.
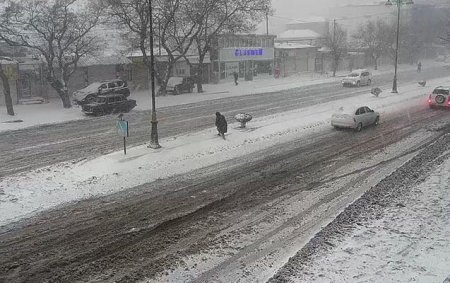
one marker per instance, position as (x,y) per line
(236,77)
(221,124)
(419,67)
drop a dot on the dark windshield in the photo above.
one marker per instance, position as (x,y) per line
(100,99)
(441,91)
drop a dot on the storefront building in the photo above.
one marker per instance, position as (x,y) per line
(247,55)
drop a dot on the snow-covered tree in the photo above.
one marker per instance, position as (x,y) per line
(224,16)
(337,43)
(376,38)
(58,30)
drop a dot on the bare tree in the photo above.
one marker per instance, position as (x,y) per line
(224,16)
(178,30)
(336,41)
(375,38)
(175,30)
(6,90)
(58,30)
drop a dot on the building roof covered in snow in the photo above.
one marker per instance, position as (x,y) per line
(301,34)
(308,20)
(103,60)
(291,45)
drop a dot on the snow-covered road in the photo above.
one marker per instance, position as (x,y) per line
(84,139)
(204,209)
(24,194)
(398,232)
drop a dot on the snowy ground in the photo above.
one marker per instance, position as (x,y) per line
(24,194)
(52,112)
(413,239)
(403,238)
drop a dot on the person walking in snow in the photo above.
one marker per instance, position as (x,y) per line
(221,124)
(419,67)
(236,77)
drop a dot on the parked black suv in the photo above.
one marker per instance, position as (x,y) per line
(88,93)
(108,104)
(178,85)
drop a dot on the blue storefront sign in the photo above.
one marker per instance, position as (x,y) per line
(239,54)
(249,52)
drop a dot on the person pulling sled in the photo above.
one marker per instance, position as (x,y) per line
(221,124)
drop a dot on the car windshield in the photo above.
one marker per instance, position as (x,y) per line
(92,88)
(174,81)
(441,91)
(204,141)
(100,99)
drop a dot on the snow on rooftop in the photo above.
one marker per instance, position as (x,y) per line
(311,19)
(299,34)
(290,45)
(104,60)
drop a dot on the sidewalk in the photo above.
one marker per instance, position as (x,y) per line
(52,112)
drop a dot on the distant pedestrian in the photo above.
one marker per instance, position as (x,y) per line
(236,77)
(419,67)
(221,124)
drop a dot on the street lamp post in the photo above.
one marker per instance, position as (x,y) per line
(399,3)
(154,132)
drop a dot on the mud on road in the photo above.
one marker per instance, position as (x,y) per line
(146,232)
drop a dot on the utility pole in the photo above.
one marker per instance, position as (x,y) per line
(154,132)
(399,4)
(267,22)
(394,83)
(334,30)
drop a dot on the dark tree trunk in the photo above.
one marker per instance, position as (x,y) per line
(7,91)
(335,66)
(162,88)
(200,76)
(63,94)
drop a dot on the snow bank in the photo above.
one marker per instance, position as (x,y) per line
(409,244)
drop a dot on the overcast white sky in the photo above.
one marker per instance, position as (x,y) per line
(295,9)
(291,8)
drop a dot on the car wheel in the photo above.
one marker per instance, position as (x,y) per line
(359,127)
(99,112)
(358,84)
(377,121)
(440,99)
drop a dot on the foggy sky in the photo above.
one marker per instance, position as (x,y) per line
(295,8)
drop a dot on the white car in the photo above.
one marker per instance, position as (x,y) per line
(440,97)
(355,118)
(357,78)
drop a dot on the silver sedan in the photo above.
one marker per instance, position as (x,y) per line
(355,118)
